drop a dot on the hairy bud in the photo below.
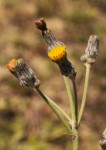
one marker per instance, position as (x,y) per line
(23,72)
(91,51)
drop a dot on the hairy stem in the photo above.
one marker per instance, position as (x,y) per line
(75,98)
(75,140)
(72,107)
(84,93)
(58,111)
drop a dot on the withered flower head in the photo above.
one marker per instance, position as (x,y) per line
(57,53)
(41,24)
(92,50)
(23,72)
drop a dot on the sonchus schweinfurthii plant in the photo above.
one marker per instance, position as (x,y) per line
(56,51)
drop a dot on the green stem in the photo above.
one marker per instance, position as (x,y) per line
(75,140)
(72,107)
(75,98)
(84,93)
(75,129)
(58,111)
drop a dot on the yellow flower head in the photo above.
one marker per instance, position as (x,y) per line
(56,49)
(57,53)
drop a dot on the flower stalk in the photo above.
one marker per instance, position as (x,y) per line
(75,98)
(88,58)
(76,139)
(58,111)
(72,107)
(88,66)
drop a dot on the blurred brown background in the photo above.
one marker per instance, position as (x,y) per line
(26,122)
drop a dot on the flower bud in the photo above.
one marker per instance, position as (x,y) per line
(23,72)
(91,51)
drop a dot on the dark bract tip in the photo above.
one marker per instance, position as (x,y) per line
(41,24)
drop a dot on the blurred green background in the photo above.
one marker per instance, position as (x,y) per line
(26,122)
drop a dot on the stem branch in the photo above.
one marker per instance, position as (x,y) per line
(84,92)
(75,98)
(58,111)
(76,140)
(72,107)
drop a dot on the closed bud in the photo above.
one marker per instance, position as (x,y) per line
(23,72)
(91,51)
